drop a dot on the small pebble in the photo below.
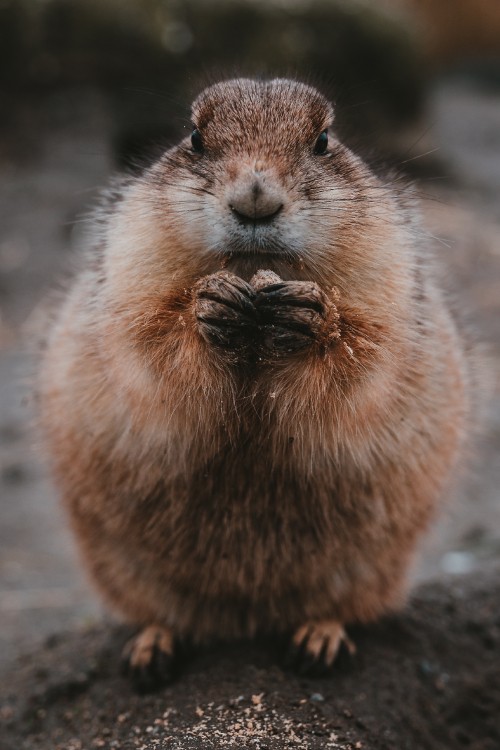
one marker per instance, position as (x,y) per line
(317,698)
(426,668)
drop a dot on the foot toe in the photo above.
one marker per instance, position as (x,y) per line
(149,659)
(314,648)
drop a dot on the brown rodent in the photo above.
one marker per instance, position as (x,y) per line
(253,395)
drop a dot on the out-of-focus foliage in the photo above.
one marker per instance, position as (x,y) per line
(455,30)
(136,49)
(150,57)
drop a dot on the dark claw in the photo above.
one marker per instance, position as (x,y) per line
(292,294)
(298,319)
(143,680)
(295,653)
(225,311)
(316,666)
(291,315)
(147,678)
(306,664)
(166,667)
(210,310)
(225,335)
(124,667)
(284,340)
(238,299)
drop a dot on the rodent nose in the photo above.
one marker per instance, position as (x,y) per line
(255,202)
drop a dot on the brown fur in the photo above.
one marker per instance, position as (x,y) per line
(224,491)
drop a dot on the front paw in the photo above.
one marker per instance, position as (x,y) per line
(294,315)
(225,311)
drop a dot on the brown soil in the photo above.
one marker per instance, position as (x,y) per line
(428,678)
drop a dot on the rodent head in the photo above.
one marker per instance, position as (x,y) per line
(261,182)
(261,174)
(257,136)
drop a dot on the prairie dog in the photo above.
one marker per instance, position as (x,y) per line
(253,394)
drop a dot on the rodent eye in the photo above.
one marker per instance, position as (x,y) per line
(322,143)
(197,141)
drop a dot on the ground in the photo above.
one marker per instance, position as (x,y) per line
(423,680)
(426,679)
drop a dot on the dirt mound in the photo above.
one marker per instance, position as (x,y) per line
(428,678)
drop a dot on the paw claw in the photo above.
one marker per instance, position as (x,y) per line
(224,310)
(302,294)
(314,648)
(148,659)
(292,315)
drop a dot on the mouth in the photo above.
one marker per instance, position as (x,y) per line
(253,252)
(245,262)
(255,241)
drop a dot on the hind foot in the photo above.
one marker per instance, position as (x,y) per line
(149,659)
(315,646)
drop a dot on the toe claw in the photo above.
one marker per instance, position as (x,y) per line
(314,648)
(148,659)
(165,667)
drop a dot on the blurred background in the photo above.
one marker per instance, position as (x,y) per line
(89,87)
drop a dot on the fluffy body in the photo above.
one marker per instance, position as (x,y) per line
(225,490)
